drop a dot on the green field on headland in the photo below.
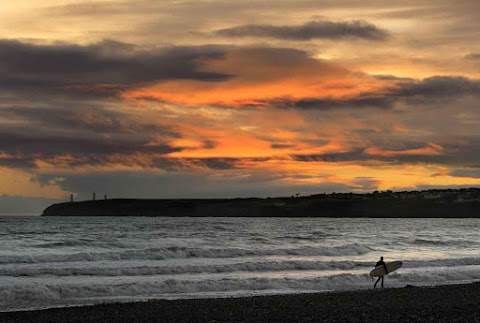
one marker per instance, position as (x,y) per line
(450,203)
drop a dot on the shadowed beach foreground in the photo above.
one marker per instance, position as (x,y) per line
(452,303)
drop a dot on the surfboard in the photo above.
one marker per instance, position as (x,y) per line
(391,266)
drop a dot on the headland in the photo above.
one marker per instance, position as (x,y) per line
(446,203)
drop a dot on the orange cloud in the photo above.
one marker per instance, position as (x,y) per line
(18,182)
(430,150)
(261,75)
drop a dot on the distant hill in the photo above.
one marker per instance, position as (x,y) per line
(447,203)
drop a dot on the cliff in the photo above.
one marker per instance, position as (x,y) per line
(432,203)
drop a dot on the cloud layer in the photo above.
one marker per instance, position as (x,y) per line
(310,30)
(219,98)
(102,68)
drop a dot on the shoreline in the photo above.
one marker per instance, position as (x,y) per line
(441,303)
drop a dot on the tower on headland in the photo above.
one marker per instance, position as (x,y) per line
(94,196)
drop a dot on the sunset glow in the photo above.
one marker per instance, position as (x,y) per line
(161,99)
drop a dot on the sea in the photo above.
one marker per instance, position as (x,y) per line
(66,261)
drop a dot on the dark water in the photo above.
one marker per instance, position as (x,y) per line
(66,261)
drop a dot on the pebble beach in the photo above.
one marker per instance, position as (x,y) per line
(446,303)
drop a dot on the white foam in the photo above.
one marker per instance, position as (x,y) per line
(62,261)
(185,252)
(71,292)
(121,269)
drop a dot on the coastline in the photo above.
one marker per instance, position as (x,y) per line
(424,204)
(442,303)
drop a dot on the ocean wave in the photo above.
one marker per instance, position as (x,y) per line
(123,269)
(29,293)
(80,243)
(446,262)
(262,266)
(443,242)
(186,252)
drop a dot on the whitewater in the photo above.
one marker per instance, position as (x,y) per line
(64,261)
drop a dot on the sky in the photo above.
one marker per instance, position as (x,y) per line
(221,98)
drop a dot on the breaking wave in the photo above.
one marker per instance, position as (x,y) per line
(30,293)
(246,266)
(185,252)
(65,261)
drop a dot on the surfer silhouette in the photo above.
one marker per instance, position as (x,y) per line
(378,264)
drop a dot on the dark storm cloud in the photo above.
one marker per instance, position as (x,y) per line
(187,164)
(438,86)
(359,155)
(310,30)
(20,149)
(210,144)
(75,135)
(411,91)
(29,67)
(26,147)
(281,146)
(92,136)
(327,104)
(466,152)
(470,173)
(23,162)
(89,117)
(216,163)
(354,155)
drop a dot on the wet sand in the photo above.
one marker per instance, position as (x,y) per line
(450,303)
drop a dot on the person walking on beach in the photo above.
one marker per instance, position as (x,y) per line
(378,264)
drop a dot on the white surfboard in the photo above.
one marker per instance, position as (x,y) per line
(391,266)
